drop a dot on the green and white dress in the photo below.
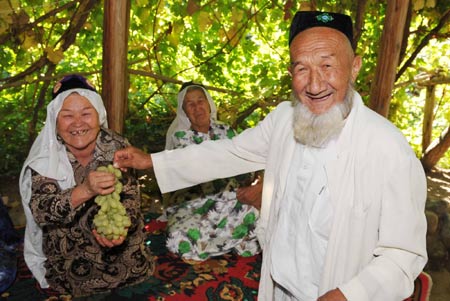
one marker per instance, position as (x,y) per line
(208,220)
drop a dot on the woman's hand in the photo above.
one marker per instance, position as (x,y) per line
(250,195)
(104,242)
(99,182)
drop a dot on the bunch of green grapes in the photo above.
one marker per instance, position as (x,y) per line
(112,220)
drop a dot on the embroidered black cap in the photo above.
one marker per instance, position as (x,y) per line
(72,81)
(308,19)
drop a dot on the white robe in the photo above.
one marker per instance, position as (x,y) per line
(377,244)
(304,223)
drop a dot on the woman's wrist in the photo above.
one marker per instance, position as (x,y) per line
(81,194)
(87,191)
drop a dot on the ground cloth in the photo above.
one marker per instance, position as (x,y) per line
(229,277)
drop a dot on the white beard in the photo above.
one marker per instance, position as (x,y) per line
(317,130)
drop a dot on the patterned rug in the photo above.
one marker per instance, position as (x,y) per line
(228,277)
(225,278)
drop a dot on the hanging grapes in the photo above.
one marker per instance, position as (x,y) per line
(112,220)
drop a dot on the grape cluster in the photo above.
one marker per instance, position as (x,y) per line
(112,220)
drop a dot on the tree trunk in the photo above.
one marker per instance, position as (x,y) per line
(388,56)
(436,151)
(428,117)
(115,75)
(359,22)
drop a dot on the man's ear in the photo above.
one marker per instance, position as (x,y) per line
(289,70)
(356,66)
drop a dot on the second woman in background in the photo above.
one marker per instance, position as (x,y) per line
(217,217)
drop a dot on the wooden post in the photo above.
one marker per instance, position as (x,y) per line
(115,76)
(428,117)
(388,56)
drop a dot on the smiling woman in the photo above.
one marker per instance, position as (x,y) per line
(58,184)
(78,126)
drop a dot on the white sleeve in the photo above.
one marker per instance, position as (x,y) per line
(401,251)
(194,164)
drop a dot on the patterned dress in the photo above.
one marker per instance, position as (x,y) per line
(76,263)
(208,220)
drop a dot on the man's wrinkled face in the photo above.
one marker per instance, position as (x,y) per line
(322,67)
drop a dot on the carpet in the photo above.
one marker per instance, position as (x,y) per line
(225,278)
(228,277)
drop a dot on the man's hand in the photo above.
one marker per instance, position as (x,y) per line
(333,295)
(132,157)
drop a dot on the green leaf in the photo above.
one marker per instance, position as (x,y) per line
(205,208)
(197,139)
(180,134)
(249,218)
(222,223)
(184,247)
(240,231)
(193,234)
(230,133)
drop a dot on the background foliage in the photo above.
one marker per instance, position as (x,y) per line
(236,48)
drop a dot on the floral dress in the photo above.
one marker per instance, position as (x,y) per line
(208,220)
(76,263)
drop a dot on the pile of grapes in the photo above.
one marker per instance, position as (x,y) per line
(112,220)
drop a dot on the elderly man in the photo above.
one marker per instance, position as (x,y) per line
(342,214)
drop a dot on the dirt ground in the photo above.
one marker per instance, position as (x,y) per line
(439,184)
(438,188)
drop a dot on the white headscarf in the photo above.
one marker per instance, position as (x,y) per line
(181,121)
(49,158)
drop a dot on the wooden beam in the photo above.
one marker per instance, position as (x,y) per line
(388,56)
(114,76)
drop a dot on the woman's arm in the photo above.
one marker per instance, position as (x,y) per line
(49,204)
(250,195)
(97,183)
